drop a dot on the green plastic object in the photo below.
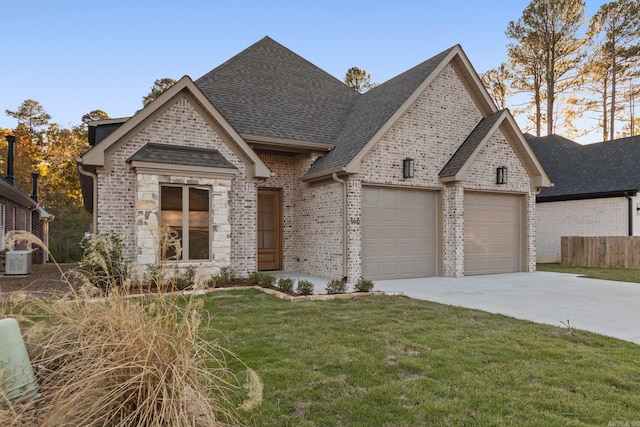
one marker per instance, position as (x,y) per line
(17,380)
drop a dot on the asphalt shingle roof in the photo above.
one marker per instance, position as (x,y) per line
(372,110)
(180,155)
(469,146)
(269,91)
(575,169)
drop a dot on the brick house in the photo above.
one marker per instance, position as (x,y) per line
(595,190)
(267,162)
(19,211)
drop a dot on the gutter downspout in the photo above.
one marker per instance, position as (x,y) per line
(345,226)
(630,202)
(94,179)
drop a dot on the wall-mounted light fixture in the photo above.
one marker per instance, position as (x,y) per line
(407,168)
(501,175)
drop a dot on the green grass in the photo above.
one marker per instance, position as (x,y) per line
(617,274)
(393,361)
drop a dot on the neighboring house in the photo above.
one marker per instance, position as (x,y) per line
(269,163)
(595,190)
(19,211)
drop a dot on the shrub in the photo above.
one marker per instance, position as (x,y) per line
(224,278)
(336,286)
(286,284)
(305,287)
(264,280)
(254,277)
(364,285)
(184,279)
(103,261)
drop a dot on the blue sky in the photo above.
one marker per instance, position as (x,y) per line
(77,56)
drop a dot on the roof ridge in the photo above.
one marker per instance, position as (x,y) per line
(267,39)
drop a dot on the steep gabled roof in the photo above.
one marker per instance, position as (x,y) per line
(471,145)
(185,86)
(587,171)
(373,110)
(269,91)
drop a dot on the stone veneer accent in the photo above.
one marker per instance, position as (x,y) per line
(148,225)
(181,122)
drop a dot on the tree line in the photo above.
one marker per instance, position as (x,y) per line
(562,64)
(47,148)
(566,66)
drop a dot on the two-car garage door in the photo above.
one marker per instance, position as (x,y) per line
(399,233)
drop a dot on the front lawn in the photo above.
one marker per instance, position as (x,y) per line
(618,274)
(393,361)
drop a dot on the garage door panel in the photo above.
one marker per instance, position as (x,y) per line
(399,233)
(492,232)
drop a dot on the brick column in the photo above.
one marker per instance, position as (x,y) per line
(453,230)
(354,230)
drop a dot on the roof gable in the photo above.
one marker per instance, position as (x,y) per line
(457,167)
(97,155)
(268,91)
(377,110)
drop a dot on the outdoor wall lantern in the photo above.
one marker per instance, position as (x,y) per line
(501,175)
(407,168)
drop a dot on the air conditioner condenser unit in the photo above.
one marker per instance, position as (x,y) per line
(17,263)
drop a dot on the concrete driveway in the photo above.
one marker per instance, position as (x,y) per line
(601,306)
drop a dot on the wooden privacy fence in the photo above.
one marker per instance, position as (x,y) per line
(601,251)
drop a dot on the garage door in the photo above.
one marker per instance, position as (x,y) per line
(399,233)
(492,233)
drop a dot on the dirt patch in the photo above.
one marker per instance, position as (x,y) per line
(45,281)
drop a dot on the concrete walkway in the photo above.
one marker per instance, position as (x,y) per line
(601,306)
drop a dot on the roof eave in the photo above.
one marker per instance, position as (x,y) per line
(586,196)
(15,194)
(319,176)
(285,145)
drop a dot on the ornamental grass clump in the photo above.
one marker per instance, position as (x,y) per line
(121,361)
(103,261)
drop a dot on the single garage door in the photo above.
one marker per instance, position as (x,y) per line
(493,241)
(399,233)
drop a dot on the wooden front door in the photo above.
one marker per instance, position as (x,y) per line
(269,230)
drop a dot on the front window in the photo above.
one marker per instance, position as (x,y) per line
(186,211)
